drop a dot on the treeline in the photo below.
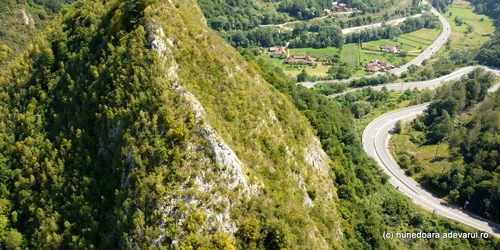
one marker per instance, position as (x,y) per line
(239,15)
(238,22)
(323,34)
(441,5)
(364,101)
(356,20)
(304,9)
(472,144)
(329,88)
(451,100)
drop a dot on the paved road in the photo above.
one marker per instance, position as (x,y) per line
(377,25)
(375,143)
(426,54)
(430,84)
(435,46)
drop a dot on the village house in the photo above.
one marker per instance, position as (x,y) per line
(389,48)
(377,65)
(277,52)
(301,60)
(336,6)
(326,12)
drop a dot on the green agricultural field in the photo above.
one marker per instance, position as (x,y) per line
(294,70)
(368,55)
(321,53)
(350,54)
(413,42)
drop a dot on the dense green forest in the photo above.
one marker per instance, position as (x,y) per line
(441,5)
(469,126)
(109,139)
(238,22)
(20,21)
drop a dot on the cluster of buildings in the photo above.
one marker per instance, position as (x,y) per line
(280,52)
(301,60)
(378,65)
(337,7)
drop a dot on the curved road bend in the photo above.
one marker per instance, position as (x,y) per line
(431,84)
(426,54)
(375,142)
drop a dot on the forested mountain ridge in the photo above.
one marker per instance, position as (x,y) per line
(131,124)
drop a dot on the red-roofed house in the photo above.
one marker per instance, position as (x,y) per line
(279,52)
(301,60)
(377,65)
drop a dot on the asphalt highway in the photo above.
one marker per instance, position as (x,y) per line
(430,84)
(429,51)
(377,25)
(375,143)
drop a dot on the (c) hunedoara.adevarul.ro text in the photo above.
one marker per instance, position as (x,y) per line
(424,235)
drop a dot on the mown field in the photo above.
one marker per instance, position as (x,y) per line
(413,42)
(350,54)
(317,53)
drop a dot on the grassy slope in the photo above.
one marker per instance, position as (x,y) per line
(14,33)
(474,40)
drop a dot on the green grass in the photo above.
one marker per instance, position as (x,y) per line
(425,154)
(413,43)
(475,39)
(368,55)
(317,53)
(350,54)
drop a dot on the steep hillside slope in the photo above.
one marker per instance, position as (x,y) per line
(21,21)
(131,124)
